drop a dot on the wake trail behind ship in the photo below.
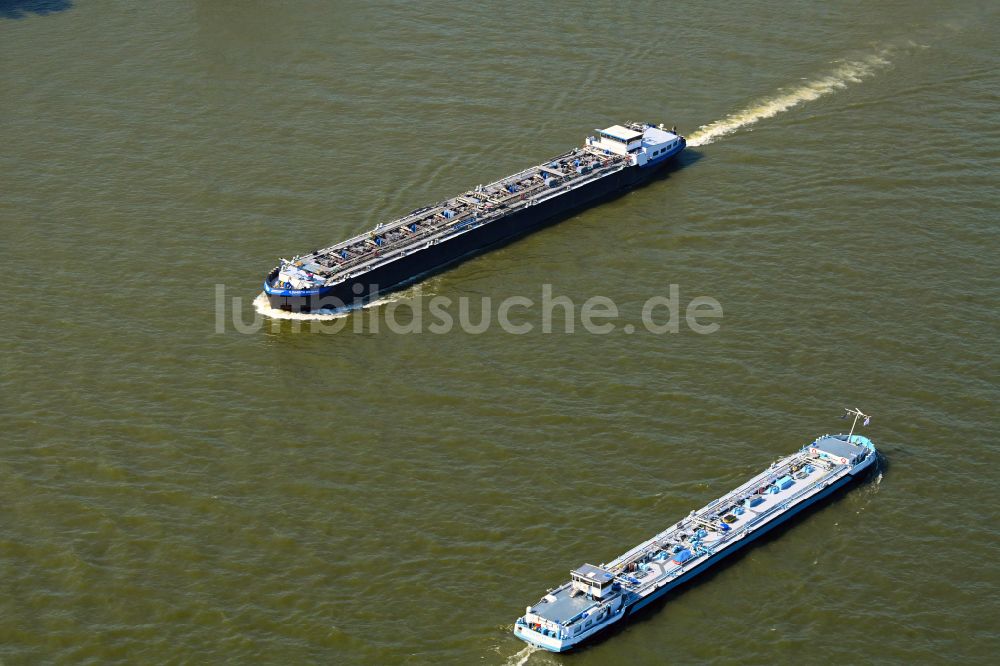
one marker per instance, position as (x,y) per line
(851,71)
(521,658)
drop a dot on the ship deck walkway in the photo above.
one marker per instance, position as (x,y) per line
(424,226)
(652,564)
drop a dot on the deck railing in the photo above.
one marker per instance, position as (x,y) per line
(734,535)
(442,229)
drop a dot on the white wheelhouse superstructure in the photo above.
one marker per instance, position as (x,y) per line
(650,145)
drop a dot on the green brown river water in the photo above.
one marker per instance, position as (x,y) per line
(179,488)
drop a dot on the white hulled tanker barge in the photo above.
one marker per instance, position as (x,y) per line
(393,254)
(599,596)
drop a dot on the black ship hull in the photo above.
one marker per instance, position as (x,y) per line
(407,269)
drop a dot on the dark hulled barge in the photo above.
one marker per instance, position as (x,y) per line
(396,253)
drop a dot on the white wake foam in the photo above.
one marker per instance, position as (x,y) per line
(846,73)
(262,306)
(521,658)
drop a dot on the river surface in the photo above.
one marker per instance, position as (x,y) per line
(185,481)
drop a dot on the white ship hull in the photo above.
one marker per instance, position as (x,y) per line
(704,538)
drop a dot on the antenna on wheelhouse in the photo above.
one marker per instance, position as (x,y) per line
(857,414)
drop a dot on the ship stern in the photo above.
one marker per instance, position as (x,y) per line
(536,637)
